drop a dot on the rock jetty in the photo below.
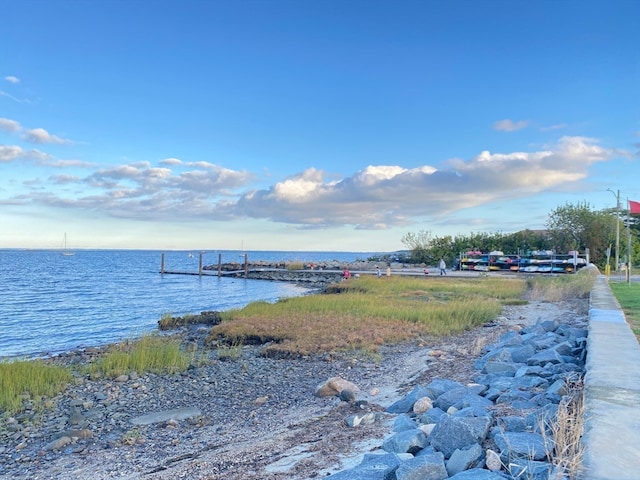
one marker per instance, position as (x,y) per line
(314,275)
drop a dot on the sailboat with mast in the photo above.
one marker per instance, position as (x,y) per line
(65,250)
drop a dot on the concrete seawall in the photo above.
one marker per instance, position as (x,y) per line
(612,392)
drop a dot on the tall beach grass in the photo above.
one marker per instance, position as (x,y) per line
(29,379)
(561,287)
(151,353)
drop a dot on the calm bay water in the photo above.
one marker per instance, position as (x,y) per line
(50,303)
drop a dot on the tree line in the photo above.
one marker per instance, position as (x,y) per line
(568,227)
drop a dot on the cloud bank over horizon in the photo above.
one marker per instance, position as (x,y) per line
(377,197)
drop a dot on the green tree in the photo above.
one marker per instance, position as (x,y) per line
(442,247)
(578,227)
(630,224)
(525,241)
(419,245)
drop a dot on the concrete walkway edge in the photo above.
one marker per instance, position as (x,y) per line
(612,392)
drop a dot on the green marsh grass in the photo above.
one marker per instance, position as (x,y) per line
(366,313)
(151,353)
(628,296)
(31,378)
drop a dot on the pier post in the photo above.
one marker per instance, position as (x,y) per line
(162,264)
(246,265)
(219,265)
(200,265)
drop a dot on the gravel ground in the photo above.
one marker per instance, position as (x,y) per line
(257,417)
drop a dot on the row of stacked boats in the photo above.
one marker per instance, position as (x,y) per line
(537,261)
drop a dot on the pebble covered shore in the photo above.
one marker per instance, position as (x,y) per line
(224,401)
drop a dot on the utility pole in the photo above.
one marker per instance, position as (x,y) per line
(617,194)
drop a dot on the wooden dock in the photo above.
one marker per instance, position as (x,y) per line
(201,271)
(208,273)
(308,277)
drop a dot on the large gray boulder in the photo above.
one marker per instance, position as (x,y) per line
(372,467)
(406,441)
(463,459)
(424,467)
(523,445)
(405,404)
(451,434)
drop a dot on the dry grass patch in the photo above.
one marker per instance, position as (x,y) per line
(566,431)
(367,312)
(562,287)
(295,266)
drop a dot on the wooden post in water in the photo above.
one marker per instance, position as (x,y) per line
(246,265)
(162,264)
(200,265)
(219,265)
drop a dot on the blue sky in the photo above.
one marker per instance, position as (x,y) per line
(310,125)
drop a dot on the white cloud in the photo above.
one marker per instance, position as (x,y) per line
(392,195)
(9,153)
(41,136)
(300,187)
(145,192)
(507,125)
(376,197)
(171,161)
(8,95)
(12,79)
(57,163)
(64,179)
(558,126)
(8,125)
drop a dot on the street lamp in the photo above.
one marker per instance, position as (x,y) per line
(617,195)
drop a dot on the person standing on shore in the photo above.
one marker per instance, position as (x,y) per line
(378,271)
(388,270)
(443,267)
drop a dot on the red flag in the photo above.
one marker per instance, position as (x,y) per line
(634,207)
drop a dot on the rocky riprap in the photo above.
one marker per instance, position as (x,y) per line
(315,276)
(359,265)
(496,428)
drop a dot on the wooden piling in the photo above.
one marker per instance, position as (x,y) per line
(200,265)
(246,265)
(219,265)
(162,264)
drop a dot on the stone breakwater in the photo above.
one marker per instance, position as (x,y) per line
(312,274)
(497,428)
